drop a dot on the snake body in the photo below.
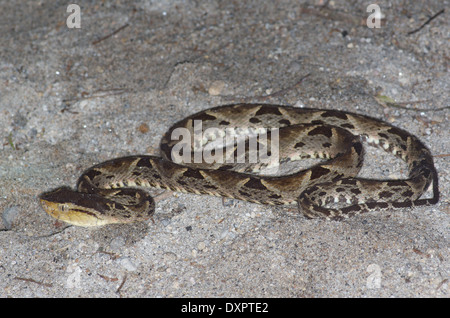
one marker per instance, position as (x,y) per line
(106,193)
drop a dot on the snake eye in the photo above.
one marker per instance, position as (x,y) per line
(62,207)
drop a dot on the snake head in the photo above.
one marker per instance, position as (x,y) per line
(73,207)
(105,206)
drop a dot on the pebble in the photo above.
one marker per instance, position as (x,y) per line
(165,222)
(9,215)
(170,257)
(201,246)
(143,128)
(74,278)
(117,243)
(216,88)
(127,264)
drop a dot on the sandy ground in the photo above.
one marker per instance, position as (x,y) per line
(70,98)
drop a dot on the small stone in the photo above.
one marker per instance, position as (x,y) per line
(170,257)
(9,215)
(216,88)
(165,222)
(117,243)
(143,128)
(83,104)
(201,246)
(127,264)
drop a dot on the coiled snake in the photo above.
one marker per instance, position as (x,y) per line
(106,192)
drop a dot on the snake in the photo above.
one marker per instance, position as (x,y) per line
(114,191)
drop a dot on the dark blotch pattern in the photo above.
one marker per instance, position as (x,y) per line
(318,172)
(358,148)
(93,173)
(408,193)
(268,110)
(284,122)
(144,162)
(348,181)
(243,193)
(348,126)
(321,130)
(350,209)
(254,120)
(385,194)
(192,173)
(275,196)
(373,205)
(398,183)
(203,116)
(255,184)
(405,204)
(333,113)
(404,135)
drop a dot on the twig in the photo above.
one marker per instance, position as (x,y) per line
(445,281)
(96,94)
(66,109)
(386,101)
(282,91)
(30,280)
(121,285)
(52,234)
(108,279)
(113,256)
(396,105)
(277,93)
(426,22)
(110,35)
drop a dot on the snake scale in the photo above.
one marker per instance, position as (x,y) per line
(111,192)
